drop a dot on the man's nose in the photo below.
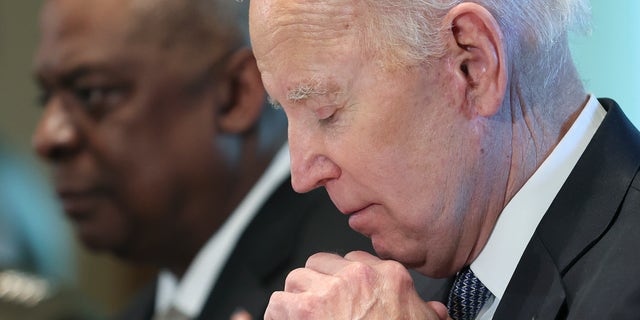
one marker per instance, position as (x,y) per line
(311,166)
(56,136)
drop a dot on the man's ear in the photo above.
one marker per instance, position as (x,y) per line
(475,43)
(246,93)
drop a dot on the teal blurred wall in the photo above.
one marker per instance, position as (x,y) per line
(609,58)
(108,281)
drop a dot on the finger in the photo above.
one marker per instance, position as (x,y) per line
(279,304)
(440,309)
(327,263)
(362,256)
(304,279)
(241,315)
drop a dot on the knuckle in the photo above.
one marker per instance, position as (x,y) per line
(275,306)
(294,274)
(355,255)
(334,285)
(283,305)
(292,279)
(314,258)
(306,307)
(397,273)
(361,272)
(276,298)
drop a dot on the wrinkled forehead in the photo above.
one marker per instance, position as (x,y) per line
(305,13)
(299,25)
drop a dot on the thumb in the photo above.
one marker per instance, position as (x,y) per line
(241,315)
(440,309)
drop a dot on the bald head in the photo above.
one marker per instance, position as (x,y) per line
(298,28)
(196,30)
(198,25)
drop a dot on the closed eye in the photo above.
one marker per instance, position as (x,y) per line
(327,114)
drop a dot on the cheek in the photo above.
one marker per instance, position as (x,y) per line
(109,228)
(395,155)
(137,163)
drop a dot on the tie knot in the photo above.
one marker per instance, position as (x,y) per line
(467,296)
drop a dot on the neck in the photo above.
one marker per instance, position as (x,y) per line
(539,121)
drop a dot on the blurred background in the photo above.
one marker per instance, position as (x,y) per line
(34,235)
(33,232)
(608,59)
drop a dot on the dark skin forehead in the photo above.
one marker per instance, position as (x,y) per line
(180,25)
(87,32)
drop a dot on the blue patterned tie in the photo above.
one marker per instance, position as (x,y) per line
(467,296)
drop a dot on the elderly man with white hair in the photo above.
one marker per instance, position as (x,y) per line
(458,137)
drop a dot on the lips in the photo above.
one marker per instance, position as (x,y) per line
(355,210)
(359,219)
(359,211)
(341,203)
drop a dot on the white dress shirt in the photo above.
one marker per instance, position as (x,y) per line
(190,293)
(516,224)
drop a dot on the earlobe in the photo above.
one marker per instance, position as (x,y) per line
(476,46)
(242,110)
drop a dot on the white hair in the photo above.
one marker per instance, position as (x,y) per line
(409,31)
(414,25)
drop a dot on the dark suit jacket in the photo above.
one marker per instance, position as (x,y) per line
(286,231)
(582,262)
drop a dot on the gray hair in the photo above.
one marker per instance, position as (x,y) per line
(409,31)
(414,25)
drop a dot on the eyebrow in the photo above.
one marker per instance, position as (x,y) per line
(306,90)
(311,88)
(67,77)
(63,77)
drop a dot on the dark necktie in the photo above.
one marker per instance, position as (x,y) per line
(467,296)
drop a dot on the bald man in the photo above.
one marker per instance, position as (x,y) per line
(459,137)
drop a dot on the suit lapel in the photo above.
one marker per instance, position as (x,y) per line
(580,214)
(238,288)
(590,198)
(535,290)
(258,263)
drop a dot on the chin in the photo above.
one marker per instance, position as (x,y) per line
(407,259)
(92,242)
(96,241)
(385,253)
